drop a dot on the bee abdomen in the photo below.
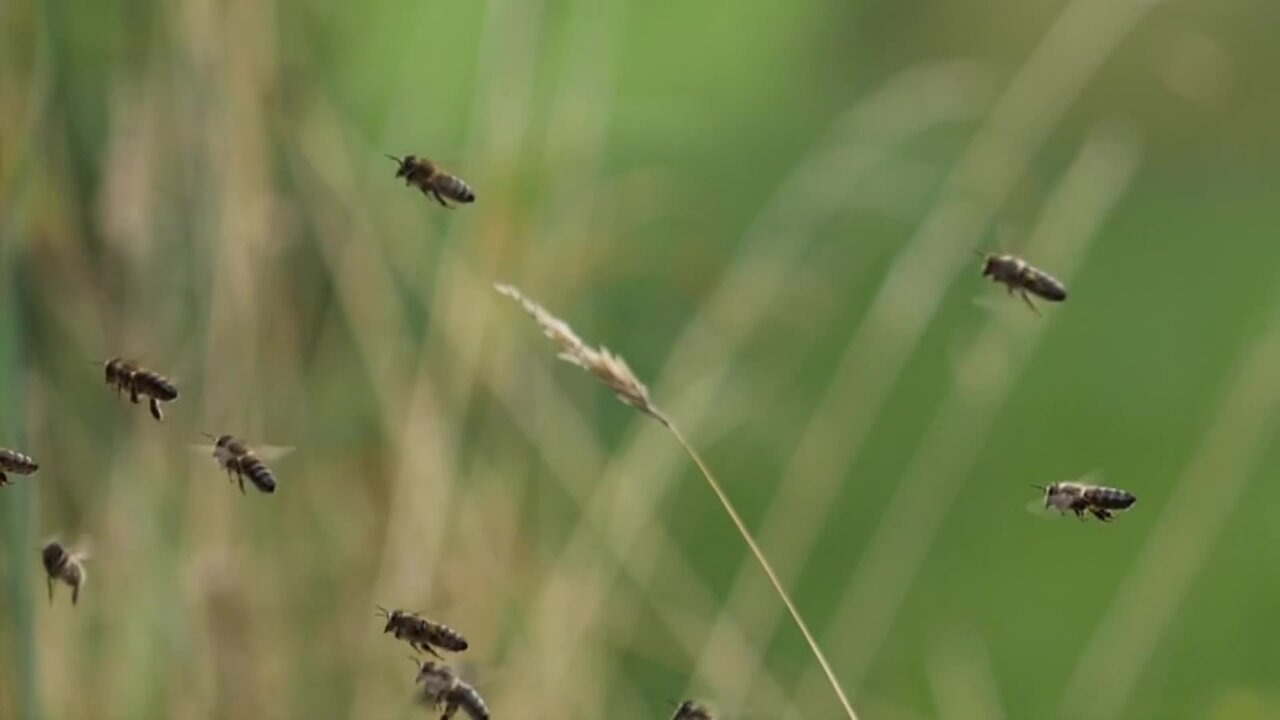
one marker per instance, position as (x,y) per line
(449,639)
(15,462)
(454,188)
(1112,498)
(470,701)
(258,473)
(157,386)
(1046,286)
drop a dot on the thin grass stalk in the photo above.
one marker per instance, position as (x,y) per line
(767,568)
(612,371)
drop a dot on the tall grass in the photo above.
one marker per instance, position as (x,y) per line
(795,189)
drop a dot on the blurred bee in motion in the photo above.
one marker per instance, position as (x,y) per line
(234,456)
(440,686)
(62,564)
(12,461)
(1016,275)
(422,634)
(432,180)
(127,376)
(1097,500)
(690,710)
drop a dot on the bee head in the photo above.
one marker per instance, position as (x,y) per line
(393,619)
(989,263)
(110,367)
(53,555)
(406,164)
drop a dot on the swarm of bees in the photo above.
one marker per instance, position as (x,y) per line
(421,633)
(439,687)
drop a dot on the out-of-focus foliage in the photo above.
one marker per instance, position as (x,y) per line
(769,209)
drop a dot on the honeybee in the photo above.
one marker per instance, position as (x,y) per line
(1015,274)
(125,375)
(440,686)
(12,461)
(690,710)
(421,633)
(432,180)
(234,456)
(62,564)
(1100,501)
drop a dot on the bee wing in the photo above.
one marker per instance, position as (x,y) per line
(267,453)
(1036,507)
(82,549)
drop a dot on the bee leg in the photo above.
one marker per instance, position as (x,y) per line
(440,199)
(432,650)
(241,478)
(133,395)
(1102,514)
(4,479)
(49,582)
(75,593)
(1027,299)
(155,409)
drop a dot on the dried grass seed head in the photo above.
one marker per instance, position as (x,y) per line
(609,369)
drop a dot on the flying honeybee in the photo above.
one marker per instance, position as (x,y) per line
(12,461)
(690,710)
(432,180)
(421,633)
(128,376)
(440,686)
(234,456)
(61,564)
(1015,274)
(1100,501)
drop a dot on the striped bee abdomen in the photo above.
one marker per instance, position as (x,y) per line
(1110,498)
(157,386)
(454,188)
(1044,286)
(466,697)
(258,474)
(446,637)
(12,461)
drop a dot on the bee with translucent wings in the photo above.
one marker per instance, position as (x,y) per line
(433,180)
(241,462)
(421,633)
(442,687)
(1018,275)
(127,376)
(65,566)
(1079,498)
(12,461)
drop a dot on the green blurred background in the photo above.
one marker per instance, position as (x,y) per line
(769,209)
